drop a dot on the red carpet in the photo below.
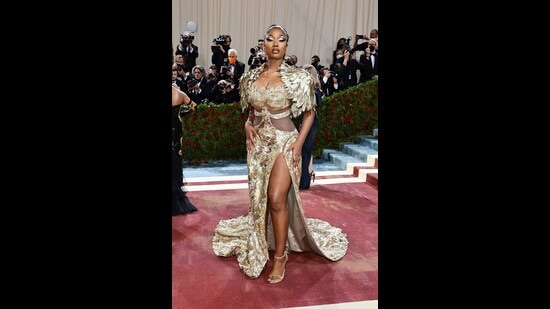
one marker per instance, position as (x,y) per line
(200,279)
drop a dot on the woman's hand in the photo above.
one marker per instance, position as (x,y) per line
(250,134)
(296,149)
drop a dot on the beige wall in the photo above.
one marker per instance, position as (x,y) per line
(314,26)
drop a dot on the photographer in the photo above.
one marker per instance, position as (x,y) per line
(257,55)
(336,66)
(197,84)
(369,61)
(220,46)
(182,75)
(339,45)
(225,71)
(291,60)
(325,79)
(349,69)
(331,82)
(336,84)
(225,92)
(212,81)
(177,80)
(315,63)
(189,51)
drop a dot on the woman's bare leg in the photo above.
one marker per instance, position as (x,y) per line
(279,186)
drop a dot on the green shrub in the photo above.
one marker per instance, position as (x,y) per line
(345,115)
(216,131)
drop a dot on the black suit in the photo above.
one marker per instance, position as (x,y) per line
(367,70)
(204,93)
(307,147)
(190,52)
(349,72)
(219,57)
(238,71)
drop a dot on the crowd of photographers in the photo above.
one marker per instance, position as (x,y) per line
(220,82)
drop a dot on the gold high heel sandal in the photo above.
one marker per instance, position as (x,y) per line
(278,278)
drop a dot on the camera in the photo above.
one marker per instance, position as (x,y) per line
(192,83)
(288,60)
(256,61)
(254,50)
(361,46)
(224,69)
(226,87)
(186,39)
(217,42)
(259,56)
(347,46)
(220,39)
(180,66)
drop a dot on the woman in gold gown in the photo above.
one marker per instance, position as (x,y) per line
(272,94)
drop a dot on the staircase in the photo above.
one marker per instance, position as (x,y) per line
(352,162)
(359,158)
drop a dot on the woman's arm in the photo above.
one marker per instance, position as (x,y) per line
(296,147)
(249,129)
(179,97)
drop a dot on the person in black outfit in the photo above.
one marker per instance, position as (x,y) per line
(315,62)
(257,55)
(219,51)
(369,60)
(197,85)
(189,50)
(348,70)
(236,68)
(176,79)
(307,149)
(225,92)
(339,45)
(181,104)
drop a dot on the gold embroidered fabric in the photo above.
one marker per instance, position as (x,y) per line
(245,236)
(298,84)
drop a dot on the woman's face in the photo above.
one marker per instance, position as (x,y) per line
(275,44)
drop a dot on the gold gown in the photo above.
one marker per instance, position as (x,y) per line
(245,236)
